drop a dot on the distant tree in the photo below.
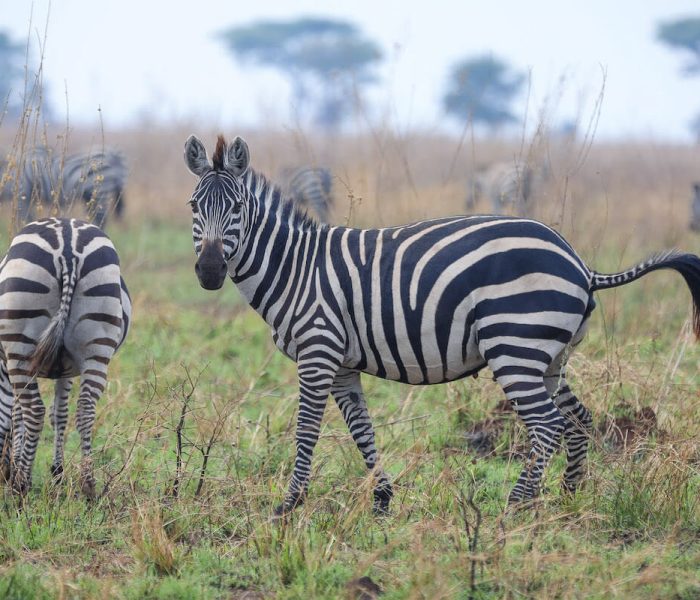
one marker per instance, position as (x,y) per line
(327,62)
(11,73)
(483,89)
(684,34)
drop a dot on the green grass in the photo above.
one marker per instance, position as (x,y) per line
(632,531)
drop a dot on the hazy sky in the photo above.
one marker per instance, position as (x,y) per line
(161,59)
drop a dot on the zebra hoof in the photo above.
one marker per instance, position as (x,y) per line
(382,499)
(20,484)
(56,473)
(289,504)
(5,472)
(87,487)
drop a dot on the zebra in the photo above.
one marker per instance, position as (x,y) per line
(64,311)
(310,188)
(695,208)
(507,185)
(425,303)
(97,179)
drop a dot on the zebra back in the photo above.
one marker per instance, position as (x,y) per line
(310,189)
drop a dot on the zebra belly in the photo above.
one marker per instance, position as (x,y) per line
(431,363)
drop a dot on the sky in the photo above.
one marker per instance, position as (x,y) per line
(139,61)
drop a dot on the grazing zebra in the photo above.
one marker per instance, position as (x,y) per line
(64,311)
(507,185)
(97,179)
(310,189)
(695,208)
(425,303)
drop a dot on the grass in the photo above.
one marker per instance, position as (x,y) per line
(633,531)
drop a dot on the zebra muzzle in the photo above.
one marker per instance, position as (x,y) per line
(211,267)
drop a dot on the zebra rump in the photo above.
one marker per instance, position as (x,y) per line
(64,312)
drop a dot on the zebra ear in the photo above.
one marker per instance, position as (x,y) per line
(196,156)
(237,157)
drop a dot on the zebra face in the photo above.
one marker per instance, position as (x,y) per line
(218,201)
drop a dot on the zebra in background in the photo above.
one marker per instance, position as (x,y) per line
(695,208)
(43,179)
(64,311)
(507,185)
(425,303)
(97,179)
(310,189)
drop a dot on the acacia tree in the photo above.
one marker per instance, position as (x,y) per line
(11,59)
(684,35)
(482,88)
(327,62)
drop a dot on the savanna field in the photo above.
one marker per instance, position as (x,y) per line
(194,439)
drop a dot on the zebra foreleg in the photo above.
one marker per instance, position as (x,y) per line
(347,392)
(315,380)
(545,425)
(59,419)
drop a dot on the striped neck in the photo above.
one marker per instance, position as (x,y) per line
(276,250)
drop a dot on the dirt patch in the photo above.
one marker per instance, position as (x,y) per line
(630,428)
(362,588)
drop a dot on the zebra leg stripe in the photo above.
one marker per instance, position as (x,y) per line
(28,421)
(578,426)
(59,420)
(545,425)
(316,375)
(347,391)
(84,421)
(6,403)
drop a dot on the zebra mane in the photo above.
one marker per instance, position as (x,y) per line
(218,158)
(276,201)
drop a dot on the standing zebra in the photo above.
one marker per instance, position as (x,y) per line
(425,303)
(96,179)
(507,185)
(64,311)
(695,208)
(310,189)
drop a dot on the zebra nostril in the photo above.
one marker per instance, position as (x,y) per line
(223,268)
(196,268)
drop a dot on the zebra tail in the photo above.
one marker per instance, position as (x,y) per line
(688,265)
(51,340)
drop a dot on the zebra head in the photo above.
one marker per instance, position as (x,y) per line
(218,205)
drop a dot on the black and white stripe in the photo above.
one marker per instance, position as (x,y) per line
(425,303)
(43,178)
(64,311)
(310,188)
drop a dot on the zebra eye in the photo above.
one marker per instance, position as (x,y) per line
(236,208)
(194,206)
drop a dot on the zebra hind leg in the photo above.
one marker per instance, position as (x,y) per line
(90,392)
(525,389)
(27,422)
(59,420)
(6,403)
(347,392)
(578,423)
